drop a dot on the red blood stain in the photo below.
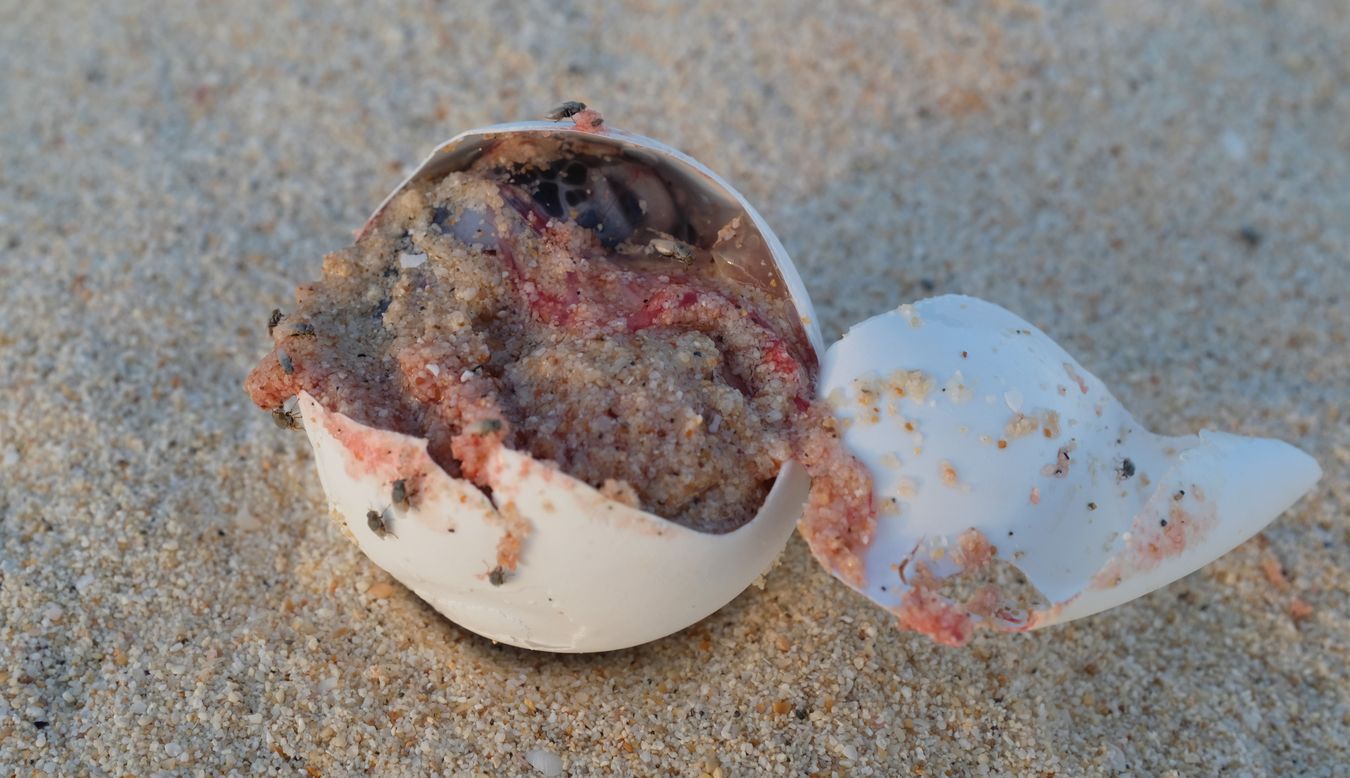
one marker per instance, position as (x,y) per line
(589,120)
(930,614)
(975,550)
(1165,528)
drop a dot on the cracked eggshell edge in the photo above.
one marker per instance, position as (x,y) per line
(593,574)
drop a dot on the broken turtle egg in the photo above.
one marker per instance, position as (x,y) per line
(568,388)
(504,543)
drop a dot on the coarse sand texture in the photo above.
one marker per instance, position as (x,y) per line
(1162,188)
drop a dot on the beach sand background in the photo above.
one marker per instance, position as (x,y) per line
(1163,187)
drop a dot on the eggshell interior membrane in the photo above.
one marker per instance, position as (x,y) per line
(1013,490)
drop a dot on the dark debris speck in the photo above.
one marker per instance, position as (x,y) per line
(375,521)
(1250,236)
(566,110)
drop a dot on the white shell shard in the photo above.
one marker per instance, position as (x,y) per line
(593,574)
(969,418)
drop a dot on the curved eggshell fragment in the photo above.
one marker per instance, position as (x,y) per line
(986,441)
(591,573)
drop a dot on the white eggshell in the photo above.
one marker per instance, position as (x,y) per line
(1056,500)
(593,574)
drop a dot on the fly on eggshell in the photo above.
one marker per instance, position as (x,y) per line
(945,459)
